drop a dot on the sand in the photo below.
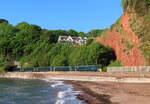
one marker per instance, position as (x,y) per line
(112,93)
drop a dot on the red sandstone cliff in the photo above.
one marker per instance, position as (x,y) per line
(124,41)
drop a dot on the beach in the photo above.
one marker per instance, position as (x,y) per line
(112,92)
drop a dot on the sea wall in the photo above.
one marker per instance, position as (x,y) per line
(75,76)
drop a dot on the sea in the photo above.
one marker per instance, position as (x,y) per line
(18,91)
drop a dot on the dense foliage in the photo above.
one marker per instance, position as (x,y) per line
(141,11)
(35,47)
(115,64)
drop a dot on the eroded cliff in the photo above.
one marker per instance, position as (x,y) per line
(130,35)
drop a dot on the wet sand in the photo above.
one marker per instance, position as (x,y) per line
(112,93)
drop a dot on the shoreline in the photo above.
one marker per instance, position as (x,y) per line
(85,95)
(88,96)
(75,92)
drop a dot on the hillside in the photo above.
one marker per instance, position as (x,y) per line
(32,46)
(130,35)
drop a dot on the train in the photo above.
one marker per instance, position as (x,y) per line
(92,68)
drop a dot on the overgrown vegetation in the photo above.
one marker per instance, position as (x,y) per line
(128,45)
(118,27)
(140,22)
(124,3)
(35,47)
(115,64)
(3,64)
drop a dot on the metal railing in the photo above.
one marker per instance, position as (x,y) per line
(129,69)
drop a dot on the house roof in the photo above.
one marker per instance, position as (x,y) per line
(78,40)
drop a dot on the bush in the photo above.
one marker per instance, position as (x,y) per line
(148,2)
(2,69)
(124,3)
(89,41)
(105,69)
(115,63)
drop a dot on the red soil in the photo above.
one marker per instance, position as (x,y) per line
(114,40)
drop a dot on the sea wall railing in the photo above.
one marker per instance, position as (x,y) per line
(129,69)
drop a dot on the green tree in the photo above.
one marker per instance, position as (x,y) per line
(82,34)
(99,54)
(36,47)
(7,33)
(95,33)
(89,41)
(148,2)
(3,21)
(78,56)
(72,33)
(26,38)
(59,60)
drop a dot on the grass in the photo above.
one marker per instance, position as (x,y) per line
(129,45)
(118,26)
(131,71)
(148,14)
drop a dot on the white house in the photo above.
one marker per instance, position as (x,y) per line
(72,40)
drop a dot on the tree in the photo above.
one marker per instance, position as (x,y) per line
(99,54)
(26,38)
(7,33)
(3,21)
(36,47)
(59,60)
(89,41)
(78,56)
(72,33)
(148,2)
(82,34)
(95,33)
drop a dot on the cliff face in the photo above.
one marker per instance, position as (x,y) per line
(130,35)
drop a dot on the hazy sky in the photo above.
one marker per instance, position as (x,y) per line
(81,15)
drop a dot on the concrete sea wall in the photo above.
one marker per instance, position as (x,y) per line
(73,76)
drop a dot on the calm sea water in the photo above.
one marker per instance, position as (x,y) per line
(16,91)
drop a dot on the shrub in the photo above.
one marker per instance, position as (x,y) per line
(2,70)
(115,63)
(148,2)
(105,69)
(124,3)
(89,41)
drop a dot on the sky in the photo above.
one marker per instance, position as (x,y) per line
(80,15)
